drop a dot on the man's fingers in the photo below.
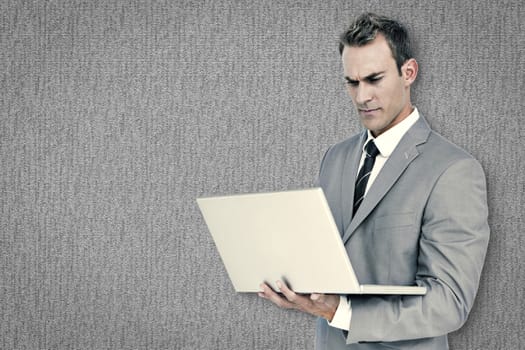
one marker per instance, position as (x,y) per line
(288,300)
(287,292)
(268,293)
(316,304)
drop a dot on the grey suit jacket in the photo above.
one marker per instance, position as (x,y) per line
(423,221)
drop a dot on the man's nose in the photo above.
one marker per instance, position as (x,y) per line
(363,94)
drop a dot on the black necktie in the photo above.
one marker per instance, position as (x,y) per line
(364,174)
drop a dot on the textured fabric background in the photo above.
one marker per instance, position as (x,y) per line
(116,115)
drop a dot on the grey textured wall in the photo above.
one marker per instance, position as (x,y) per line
(115,115)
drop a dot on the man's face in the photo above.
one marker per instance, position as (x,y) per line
(380,94)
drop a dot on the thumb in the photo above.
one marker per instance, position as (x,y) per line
(316,297)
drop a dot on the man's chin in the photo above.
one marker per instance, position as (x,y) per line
(375,128)
(370,123)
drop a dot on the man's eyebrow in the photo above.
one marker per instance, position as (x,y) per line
(349,80)
(368,77)
(373,75)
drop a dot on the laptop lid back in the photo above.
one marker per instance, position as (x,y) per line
(289,236)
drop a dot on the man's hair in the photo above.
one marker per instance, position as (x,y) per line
(368,25)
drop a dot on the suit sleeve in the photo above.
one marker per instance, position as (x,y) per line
(452,247)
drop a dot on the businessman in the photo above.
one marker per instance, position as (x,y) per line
(410,206)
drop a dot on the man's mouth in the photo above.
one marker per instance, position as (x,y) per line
(369,110)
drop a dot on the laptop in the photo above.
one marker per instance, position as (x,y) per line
(289,236)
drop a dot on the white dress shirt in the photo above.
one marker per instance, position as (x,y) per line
(385,143)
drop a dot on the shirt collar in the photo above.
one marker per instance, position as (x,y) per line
(387,141)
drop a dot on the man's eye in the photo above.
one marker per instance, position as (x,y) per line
(352,82)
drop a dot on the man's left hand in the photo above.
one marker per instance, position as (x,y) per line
(323,305)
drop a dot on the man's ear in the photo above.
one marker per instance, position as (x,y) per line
(409,71)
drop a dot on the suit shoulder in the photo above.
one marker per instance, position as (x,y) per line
(346,145)
(336,155)
(440,153)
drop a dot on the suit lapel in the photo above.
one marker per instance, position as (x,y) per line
(349,175)
(403,155)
